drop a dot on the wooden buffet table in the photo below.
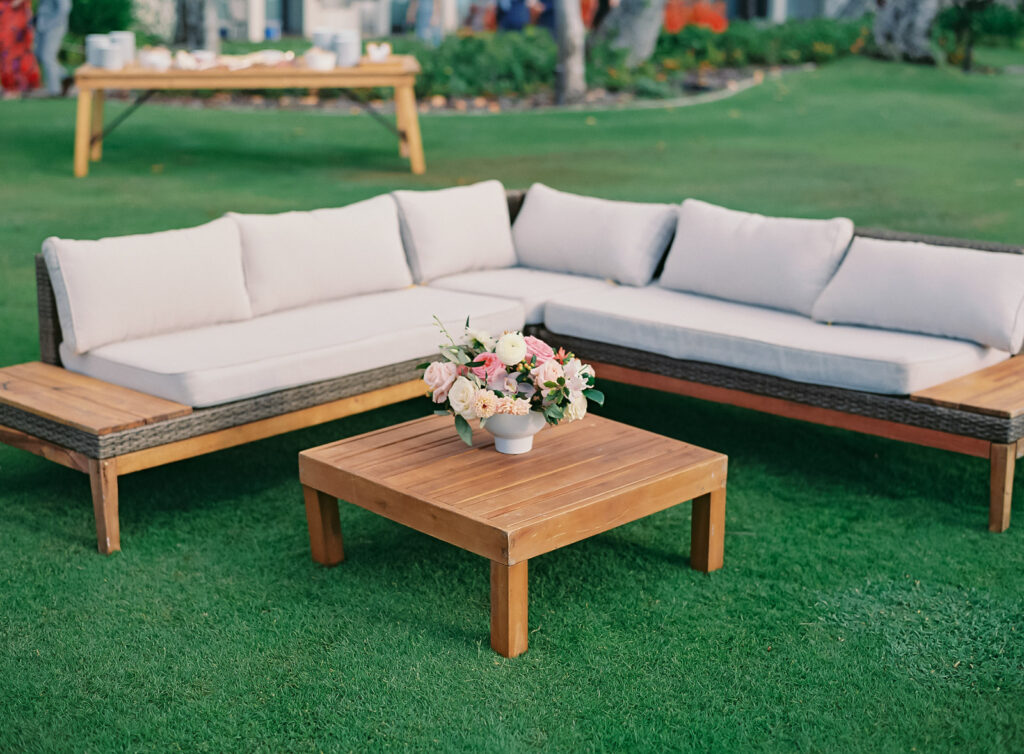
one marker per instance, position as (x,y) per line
(581,479)
(398,72)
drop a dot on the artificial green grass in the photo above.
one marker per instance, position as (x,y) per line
(863,606)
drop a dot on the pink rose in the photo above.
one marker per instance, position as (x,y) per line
(540,349)
(548,371)
(439,378)
(491,366)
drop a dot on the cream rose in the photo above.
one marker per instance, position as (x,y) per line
(461,396)
(439,378)
(577,407)
(511,348)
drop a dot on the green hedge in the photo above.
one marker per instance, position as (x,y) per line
(99,16)
(498,64)
(995,23)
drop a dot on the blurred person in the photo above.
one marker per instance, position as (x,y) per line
(51,26)
(19,71)
(513,15)
(426,15)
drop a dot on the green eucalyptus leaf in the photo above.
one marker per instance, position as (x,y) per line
(594,395)
(465,431)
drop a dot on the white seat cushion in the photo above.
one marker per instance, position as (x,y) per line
(938,290)
(687,326)
(298,258)
(214,365)
(129,287)
(532,288)
(781,262)
(456,230)
(621,241)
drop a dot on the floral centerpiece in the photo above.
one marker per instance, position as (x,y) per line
(513,385)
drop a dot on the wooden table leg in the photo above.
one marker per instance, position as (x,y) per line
(406,115)
(324,527)
(96,131)
(103,480)
(403,130)
(509,614)
(83,131)
(1002,460)
(707,532)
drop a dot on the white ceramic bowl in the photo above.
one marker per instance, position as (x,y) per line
(154,59)
(320,60)
(514,434)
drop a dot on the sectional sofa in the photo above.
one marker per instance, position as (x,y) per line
(265,323)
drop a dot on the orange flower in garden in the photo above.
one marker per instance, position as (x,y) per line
(682,13)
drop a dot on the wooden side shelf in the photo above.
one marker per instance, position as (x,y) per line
(82,402)
(996,391)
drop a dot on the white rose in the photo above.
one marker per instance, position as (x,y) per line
(577,407)
(511,348)
(439,378)
(461,397)
(482,336)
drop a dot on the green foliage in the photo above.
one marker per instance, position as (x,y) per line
(484,64)
(100,16)
(993,22)
(500,64)
(465,431)
(745,43)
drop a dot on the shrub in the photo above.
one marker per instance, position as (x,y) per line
(485,63)
(99,16)
(994,22)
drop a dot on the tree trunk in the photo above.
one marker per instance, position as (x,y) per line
(571,79)
(968,48)
(903,29)
(197,27)
(634,26)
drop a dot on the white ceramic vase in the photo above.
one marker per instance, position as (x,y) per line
(514,434)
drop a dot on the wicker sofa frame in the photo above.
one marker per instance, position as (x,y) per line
(106,457)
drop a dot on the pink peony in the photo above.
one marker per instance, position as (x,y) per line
(490,368)
(540,349)
(439,378)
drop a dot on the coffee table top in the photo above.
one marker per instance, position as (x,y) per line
(579,480)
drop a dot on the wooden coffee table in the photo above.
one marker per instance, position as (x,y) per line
(580,479)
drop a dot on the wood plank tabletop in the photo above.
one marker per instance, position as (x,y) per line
(285,75)
(580,479)
(83,402)
(997,390)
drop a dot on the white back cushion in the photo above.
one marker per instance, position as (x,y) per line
(456,230)
(620,241)
(779,262)
(117,289)
(952,292)
(298,258)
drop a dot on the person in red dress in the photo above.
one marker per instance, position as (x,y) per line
(19,71)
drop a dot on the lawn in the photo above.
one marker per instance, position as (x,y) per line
(863,607)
